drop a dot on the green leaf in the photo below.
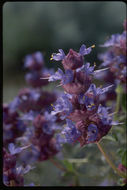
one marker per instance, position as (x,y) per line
(115,136)
(124,158)
(68,165)
(121,151)
(108,137)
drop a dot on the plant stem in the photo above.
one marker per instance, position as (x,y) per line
(76,181)
(110,162)
(57,164)
(119,92)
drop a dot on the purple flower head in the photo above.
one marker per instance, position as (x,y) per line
(35,95)
(103,114)
(34,61)
(80,84)
(63,106)
(111,59)
(33,78)
(29,116)
(49,117)
(98,91)
(47,128)
(87,101)
(34,99)
(57,76)
(92,132)
(72,60)
(70,132)
(65,78)
(114,40)
(14,104)
(68,77)
(58,56)
(13,150)
(84,51)
(106,58)
(86,69)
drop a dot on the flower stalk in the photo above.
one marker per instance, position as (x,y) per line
(119,97)
(110,162)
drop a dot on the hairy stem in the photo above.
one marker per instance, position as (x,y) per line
(121,174)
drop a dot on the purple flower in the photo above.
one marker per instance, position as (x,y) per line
(87,101)
(57,76)
(86,69)
(92,132)
(63,106)
(58,56)
(65,78)
(70,132)
(34,61)
(84,51)
(114,40)
(49,117)
(103,113)
(98,91)
(68,77)
(29,116)
(13,150)
(115,58)
(14,104)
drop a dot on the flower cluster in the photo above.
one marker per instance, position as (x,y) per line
(115,58)
(13,172)
(40,135)
(27,122)
(86,120)
(12,126)
(35,64)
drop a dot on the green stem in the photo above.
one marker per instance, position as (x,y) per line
(110,162)
(119,92)
(76,181)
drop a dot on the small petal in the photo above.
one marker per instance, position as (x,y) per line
(92,132)
(67,77)
(58,56)
(84,51)
(13,150)
(57,76)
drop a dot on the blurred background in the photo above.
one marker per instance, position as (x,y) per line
(48,26)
